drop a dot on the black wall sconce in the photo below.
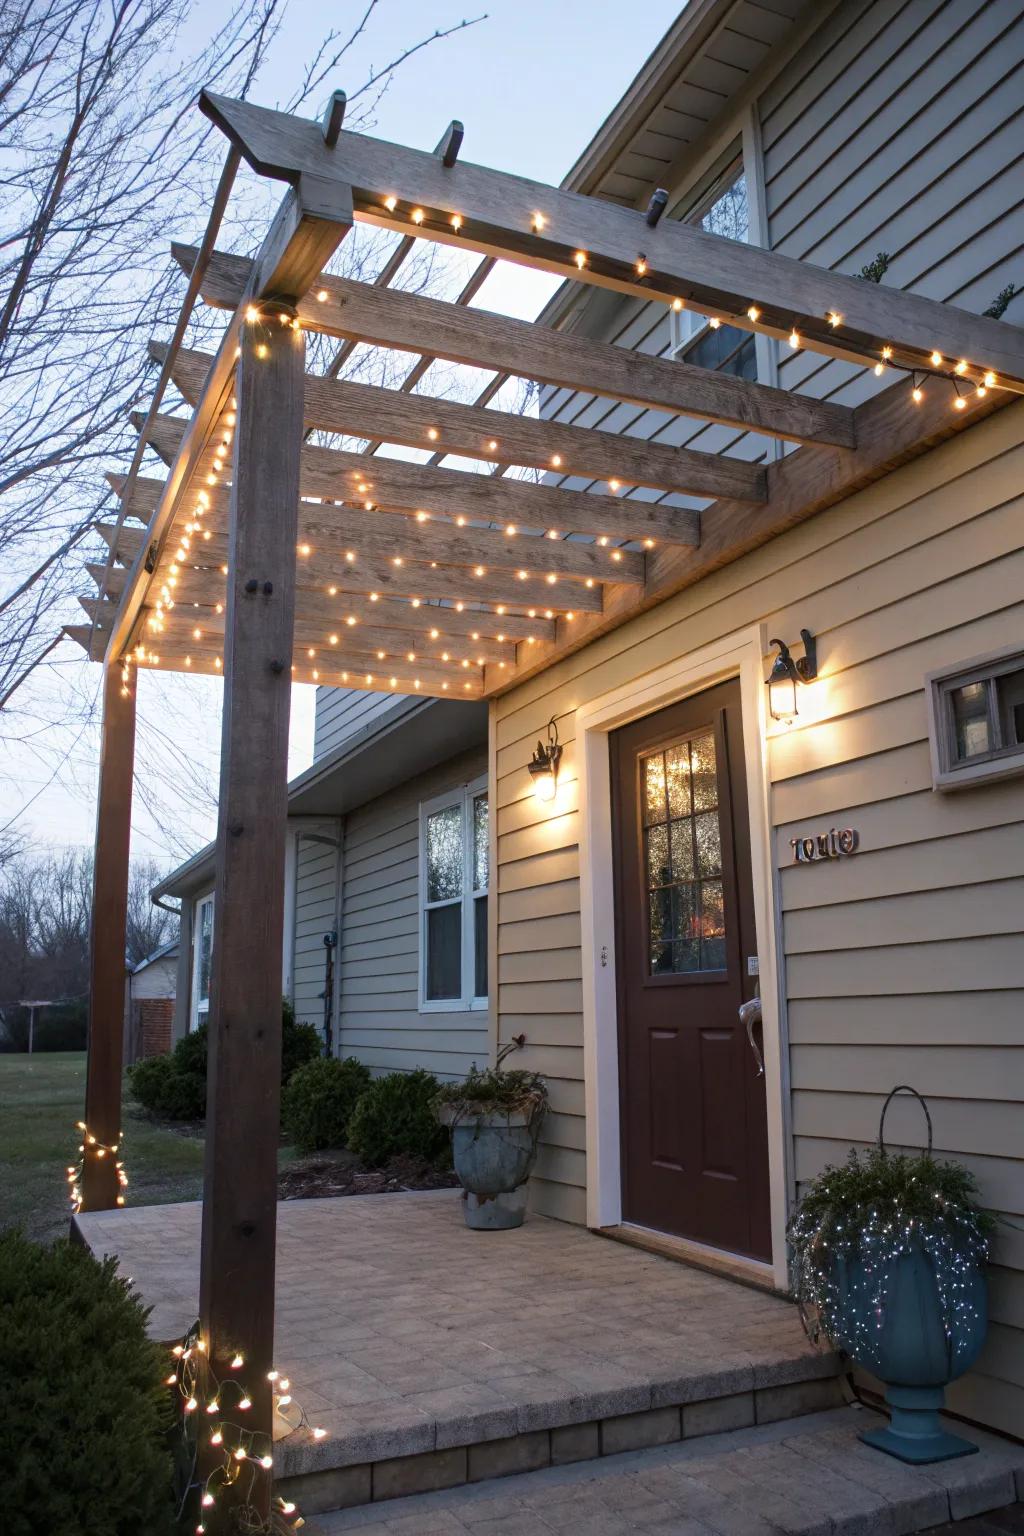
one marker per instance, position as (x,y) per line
(786,673)
(543,765)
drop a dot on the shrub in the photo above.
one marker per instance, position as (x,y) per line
(175,1085)
(317,1103)
(159,1086)
(83,1432)
(395,1118)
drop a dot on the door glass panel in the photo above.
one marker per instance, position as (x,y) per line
(683,843)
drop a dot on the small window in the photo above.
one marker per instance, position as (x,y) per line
(723,210)
(202,960)
(454,868)
(976,721)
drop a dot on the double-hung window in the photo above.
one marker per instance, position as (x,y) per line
(453,899)
(202,960)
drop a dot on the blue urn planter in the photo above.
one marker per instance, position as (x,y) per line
(494,1153)
(908,1348)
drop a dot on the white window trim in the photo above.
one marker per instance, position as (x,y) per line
(946,773)
(462,795)
(199,1012)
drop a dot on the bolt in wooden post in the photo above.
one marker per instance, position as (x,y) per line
(107,939)
(243,1093)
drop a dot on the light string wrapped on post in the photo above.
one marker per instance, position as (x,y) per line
(91,1146)
(242,1455)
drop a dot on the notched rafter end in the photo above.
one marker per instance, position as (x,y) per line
(333,118)
(450,143)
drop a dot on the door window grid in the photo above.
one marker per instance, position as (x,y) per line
(683,858)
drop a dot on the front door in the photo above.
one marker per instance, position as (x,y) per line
(694,1127)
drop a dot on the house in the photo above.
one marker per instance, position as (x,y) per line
(781,736)
(386,972)
(150,1003)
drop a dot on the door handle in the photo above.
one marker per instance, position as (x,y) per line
(750,1014)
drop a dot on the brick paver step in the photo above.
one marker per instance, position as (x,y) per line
(809,1476)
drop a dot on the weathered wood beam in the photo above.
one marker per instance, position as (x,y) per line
(393,485)
(185,627)
(401,577)
(238,1250)
(407,322)
(891,430)
(409,191)
(445,426)
(100,1188)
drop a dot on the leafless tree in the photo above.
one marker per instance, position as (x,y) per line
(102,158)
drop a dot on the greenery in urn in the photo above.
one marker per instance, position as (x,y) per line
(873,1209)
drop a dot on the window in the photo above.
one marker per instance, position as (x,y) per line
(976,721)
(722,211)
(454,859)
(202,960)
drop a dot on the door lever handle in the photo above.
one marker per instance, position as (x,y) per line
(750,1014)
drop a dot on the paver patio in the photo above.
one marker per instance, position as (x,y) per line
(404,1333)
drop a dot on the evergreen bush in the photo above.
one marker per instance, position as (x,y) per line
(318,1101)
(395,1118)
(175,1085)
(83,1447)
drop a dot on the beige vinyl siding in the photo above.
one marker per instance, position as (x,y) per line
(316,914)
(379,1017)
(904,964)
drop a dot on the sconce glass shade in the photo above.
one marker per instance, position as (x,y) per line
(782,691)
(545,785)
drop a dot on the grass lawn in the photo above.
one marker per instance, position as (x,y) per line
(41,1098)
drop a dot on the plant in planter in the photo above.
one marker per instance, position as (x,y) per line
(495,1119)
(890,1266)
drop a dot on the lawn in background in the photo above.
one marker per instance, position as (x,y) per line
(41,1098)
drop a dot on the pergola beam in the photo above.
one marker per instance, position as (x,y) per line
(480,339)
(410,191)
(394,485)
(502,437)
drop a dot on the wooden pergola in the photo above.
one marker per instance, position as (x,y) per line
(270,560)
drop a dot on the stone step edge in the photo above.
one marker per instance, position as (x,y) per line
(344,1487)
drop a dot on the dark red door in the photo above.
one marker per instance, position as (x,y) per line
(694,1128)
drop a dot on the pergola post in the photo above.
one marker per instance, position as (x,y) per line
(99,1184)
(240,1186)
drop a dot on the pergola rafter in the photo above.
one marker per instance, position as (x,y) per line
(269,559)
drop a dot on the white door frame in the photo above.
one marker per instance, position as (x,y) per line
(738,655)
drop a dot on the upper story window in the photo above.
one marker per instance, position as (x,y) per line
(976,721)
(722,211)
(454,877)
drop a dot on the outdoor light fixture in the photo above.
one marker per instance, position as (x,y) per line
(543,765)
(785,675)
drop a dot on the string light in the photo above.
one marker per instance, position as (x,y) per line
(834,318)
(794,338)
(936,359)
(580,258)
(537,222)
(753,313)
(91,1146)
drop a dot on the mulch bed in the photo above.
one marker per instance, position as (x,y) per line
(339,1173)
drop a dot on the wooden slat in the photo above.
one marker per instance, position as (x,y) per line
(99,1186)
(362,410)
(115,579)
(390,318)
(718,276)
(183,622)
(891,429)
(393,485)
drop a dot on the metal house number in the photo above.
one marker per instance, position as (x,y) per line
(826,845)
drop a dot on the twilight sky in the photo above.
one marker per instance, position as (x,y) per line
(532,83)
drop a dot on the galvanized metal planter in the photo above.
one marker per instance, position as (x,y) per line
(494,1153)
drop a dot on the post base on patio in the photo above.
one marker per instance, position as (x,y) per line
(915,1433)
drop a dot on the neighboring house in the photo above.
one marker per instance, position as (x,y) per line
(149,1003)
(676,869)
(386,887)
